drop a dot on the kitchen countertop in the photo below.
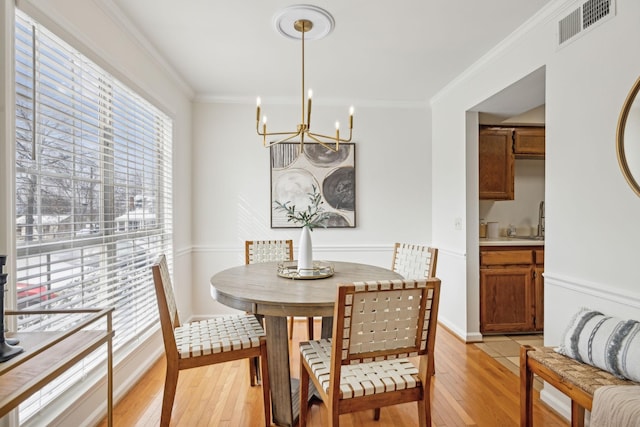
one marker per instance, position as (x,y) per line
(511,241)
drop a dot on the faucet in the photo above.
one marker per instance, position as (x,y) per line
(541,220)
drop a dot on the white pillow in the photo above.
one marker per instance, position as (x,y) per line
(605,342)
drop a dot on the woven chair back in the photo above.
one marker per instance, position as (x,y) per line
(257,251)
(385,319)
(164,283)
(414,261)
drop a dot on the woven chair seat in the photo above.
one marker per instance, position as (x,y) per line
(361,379)
(218,335)
(586,377)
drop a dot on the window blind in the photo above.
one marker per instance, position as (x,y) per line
(93,194)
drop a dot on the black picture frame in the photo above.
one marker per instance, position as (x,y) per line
(333,173)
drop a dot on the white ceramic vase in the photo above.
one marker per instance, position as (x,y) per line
(305,253)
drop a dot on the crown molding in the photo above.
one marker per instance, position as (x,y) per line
(544,15)
(367,103)
(46,13)
(118,17)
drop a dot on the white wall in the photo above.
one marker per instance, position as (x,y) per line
(591,214)
(98,32)
(232,186)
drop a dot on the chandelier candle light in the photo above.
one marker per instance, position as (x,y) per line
(301,16)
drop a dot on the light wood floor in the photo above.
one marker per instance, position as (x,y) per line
(469,389)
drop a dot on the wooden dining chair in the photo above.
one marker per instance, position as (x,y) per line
(414,261)
(207,342)
(273,250)
(377,326)
(256,251)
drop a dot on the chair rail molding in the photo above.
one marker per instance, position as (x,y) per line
(316,248)
(596,290)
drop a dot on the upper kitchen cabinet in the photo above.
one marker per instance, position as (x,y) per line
(528,142)
(498,148)
(496,158)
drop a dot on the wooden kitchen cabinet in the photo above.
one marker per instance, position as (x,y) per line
(496,159)
(511,292)
(498,148)
(538,285)
(529,142)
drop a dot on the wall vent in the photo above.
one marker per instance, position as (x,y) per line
(569,26)
(583,18)
(593,11)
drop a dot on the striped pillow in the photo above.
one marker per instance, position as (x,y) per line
(605,342)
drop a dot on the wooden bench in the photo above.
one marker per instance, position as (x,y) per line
(575,379)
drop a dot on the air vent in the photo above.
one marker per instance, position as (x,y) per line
(593,11)
(583,18)
(570,26)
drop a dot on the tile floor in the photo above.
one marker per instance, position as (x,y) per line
(506,350)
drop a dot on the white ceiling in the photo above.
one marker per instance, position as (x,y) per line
(401,51)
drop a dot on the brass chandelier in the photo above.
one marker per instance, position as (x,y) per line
(302,26)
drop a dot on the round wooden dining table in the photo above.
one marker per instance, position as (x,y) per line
(257,288)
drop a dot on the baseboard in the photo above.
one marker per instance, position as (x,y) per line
(460,334)
(556,400)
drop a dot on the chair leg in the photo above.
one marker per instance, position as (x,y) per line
(291,327)
(526,390)
(376,414)
(304,393)
(170,386)
(577,415)
(254,363)
(424,405)
(266,391)
(433,357)
(432,364)
(254,370)
(310,327)
(334,417)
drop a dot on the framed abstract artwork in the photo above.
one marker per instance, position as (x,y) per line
(332,173)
